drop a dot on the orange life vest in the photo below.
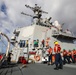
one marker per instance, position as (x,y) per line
(64,53)
(50,50)
(57,48)
(74,52)
(69,53)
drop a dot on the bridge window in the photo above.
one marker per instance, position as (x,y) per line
(22,43)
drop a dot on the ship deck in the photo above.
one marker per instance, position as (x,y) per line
(38,69)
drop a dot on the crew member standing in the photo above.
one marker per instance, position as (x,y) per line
(58,58)
(50,55)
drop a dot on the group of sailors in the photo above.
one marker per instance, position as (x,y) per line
(69,56)
(60,57)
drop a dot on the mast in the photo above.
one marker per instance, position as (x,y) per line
(37,13)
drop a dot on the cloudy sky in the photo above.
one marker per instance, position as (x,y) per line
(11,18)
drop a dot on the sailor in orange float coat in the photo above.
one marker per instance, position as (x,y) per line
(69,57)
(58,58)
(57,48)
(65,56)
(50,50)
(74,55)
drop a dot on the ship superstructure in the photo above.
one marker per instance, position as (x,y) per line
(28,40)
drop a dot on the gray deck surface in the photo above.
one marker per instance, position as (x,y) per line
(39,69)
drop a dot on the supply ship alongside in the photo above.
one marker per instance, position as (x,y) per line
(34,39)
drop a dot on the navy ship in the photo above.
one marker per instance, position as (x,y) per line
(34,40)
(27,41)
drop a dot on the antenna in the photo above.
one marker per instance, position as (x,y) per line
(36,8)
(26,14)
(29,7)
(37,11)
(49,18)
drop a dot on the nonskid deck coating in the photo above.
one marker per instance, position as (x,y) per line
(39,69)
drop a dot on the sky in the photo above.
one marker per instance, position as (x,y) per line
(11,18)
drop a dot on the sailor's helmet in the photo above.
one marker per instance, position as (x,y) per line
(56,42)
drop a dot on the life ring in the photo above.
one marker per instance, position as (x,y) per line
(37,57)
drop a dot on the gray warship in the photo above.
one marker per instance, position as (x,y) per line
(39,30)
(27,42)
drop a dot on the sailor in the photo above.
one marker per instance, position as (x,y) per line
(69,57)
(64,56)
(58,58)
(74,55)
(36,43)
(43,43)
(50,50)
(9,57)
(26,43)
